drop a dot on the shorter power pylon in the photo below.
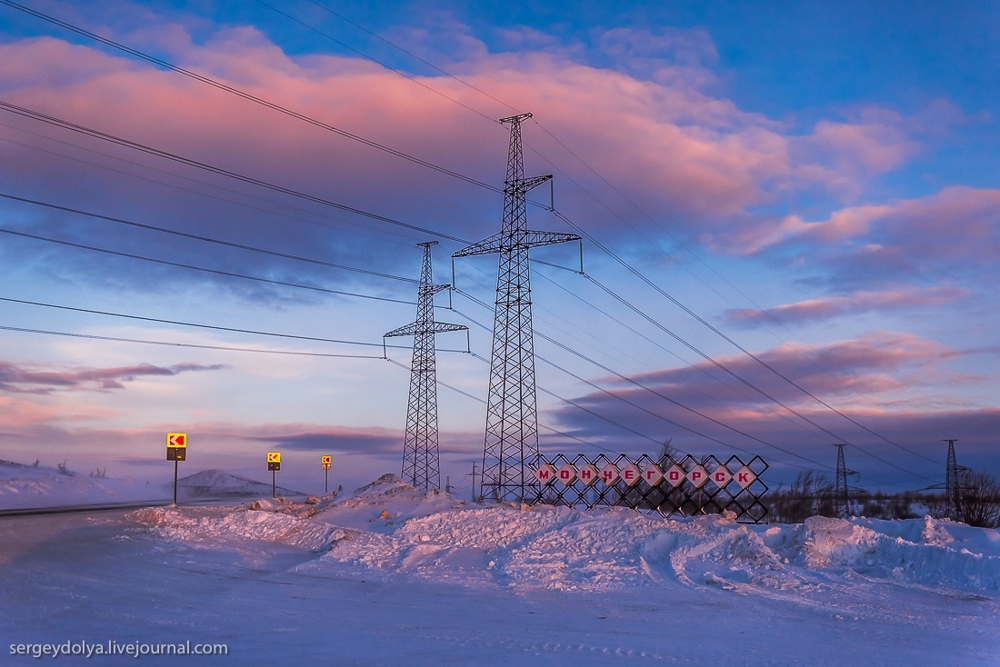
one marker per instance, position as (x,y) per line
(842,490)
(953,486)
(421,467)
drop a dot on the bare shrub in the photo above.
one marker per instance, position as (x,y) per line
(977,500)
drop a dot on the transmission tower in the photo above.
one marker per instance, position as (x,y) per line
(951,479)
(420,446)
(953,486)
(511,446)
(841,493)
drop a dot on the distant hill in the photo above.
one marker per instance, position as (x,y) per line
(218,483)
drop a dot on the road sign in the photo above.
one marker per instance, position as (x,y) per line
(177,446)
(176,451)
(327,462)
(273,461)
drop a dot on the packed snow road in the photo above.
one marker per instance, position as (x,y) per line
(393,576)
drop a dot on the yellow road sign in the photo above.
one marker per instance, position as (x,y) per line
(327,460)
(177,440)
(274,457)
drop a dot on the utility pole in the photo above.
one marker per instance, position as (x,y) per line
(510,449)
(421,467)
(473,481)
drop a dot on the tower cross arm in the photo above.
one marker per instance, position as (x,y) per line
(526,239)
(526,184)
(416,328)
(535,239)
(433,289)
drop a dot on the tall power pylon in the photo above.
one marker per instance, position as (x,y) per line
(421,468)
(842,497)
(511,447)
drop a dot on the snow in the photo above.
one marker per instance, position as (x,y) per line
(23,486)
(217,483)
(393,575)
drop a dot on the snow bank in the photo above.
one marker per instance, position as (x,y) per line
(390,529)
(211,526)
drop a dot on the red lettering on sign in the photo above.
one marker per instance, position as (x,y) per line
(673,476)
(742,477)
(586,474)
(544,474)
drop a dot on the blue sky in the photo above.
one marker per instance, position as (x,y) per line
(815,182)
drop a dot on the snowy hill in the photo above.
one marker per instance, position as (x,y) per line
(217,483)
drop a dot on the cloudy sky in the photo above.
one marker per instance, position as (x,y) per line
(791,211)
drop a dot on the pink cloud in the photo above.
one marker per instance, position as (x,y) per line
(858,302)
(677,150)
(875,364)
(670,144)
(957,224)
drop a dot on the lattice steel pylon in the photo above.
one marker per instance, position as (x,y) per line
(842,491)
(511,445)
(951,479)
(421,467)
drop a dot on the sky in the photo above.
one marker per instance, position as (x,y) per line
(790,211)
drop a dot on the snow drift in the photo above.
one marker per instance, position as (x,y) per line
(390,529)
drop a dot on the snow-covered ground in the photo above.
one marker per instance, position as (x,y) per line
(24,486)
(37,486)
(390,575)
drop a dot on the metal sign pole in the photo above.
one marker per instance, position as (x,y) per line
(175,482)
(273,493)
(326,481)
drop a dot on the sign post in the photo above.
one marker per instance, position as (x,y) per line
(274,465)
(176,451)
(327,461)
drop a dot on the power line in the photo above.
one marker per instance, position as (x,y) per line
(377,62)
(159,62)
(191,267)
(189,345)
(414,56)
(205,239)
(214,186)
(103,136)
(650,218)
(483,401)
(655,393)
(197,325)
(284,110)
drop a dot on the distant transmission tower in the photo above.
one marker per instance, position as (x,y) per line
(842,497)
(951,479)
(511,447)
(952,483)
(420,446)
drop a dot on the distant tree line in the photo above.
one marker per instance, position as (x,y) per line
(975,501)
